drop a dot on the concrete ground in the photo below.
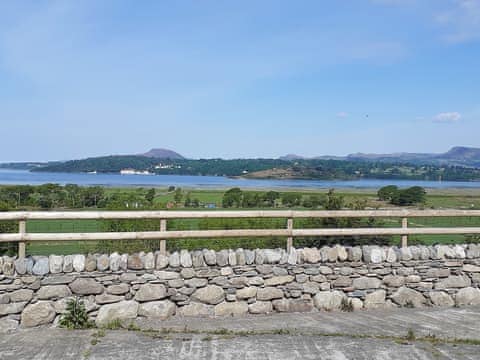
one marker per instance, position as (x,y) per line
(452,333)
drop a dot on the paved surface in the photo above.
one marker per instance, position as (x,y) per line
(359,335)
(441,322)
(133,345)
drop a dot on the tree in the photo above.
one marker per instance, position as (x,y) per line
(93,195)
(126,200)
(270,197)
(387,193)
(195,203)
(232,198)
(333,201)
(177,197)
(150,195)
(45,202)
(291,199)
(312,201)
(18,194)
(411,196)
(418,194)
(189,202)
(74,195)
(250,200)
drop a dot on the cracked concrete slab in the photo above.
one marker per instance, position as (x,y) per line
(441,322)
(360,335)
(122,344)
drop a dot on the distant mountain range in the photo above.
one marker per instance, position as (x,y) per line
(459,156)
(458,164)
(107,163)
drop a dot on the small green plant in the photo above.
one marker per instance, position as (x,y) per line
(222,331)
(76,316)
(114,325)
(432,338)
(133,327)
(472,239)
(99,334)
(346,305)
(410,335)
(86,354)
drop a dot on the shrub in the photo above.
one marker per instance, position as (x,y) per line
(404,197)
(387,193)
(76,316)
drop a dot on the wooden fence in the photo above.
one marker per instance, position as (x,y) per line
(22,237)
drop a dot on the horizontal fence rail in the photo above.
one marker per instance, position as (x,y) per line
(22,237)
(131,215)
(186,234)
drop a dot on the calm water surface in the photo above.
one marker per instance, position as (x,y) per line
(21,177)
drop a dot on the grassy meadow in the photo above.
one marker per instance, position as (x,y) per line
(438,199)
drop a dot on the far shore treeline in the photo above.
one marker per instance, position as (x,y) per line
(320,169)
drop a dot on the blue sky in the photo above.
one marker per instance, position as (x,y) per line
(237,79)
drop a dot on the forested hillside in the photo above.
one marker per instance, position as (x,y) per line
(269,168)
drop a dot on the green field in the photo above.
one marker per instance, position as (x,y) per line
(55,226)
(460,199)
(61,226)
(163,196)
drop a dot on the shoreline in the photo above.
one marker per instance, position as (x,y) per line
(220,183)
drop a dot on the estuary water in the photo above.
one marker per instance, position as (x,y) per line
(22,177)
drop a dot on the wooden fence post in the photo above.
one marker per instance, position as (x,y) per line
(22,226)
(404,237)
(163,242)
(290,238)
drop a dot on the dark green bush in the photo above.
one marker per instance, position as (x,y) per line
(76,316)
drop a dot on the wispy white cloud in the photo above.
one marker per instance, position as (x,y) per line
(447,117)
(342,114)
(461,21)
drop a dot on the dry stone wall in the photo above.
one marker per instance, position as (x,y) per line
(35,290)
